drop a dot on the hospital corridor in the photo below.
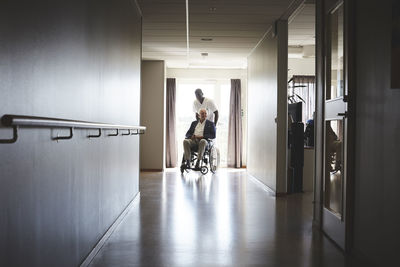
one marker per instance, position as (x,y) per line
(199,133)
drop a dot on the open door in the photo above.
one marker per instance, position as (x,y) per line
(335,128)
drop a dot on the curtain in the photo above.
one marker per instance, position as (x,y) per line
(235,126)
(307,93)
(170,150)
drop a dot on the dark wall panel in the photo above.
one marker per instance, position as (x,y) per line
(71,59)
(377,168)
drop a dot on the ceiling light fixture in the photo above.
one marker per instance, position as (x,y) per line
(213,9)
(204,56)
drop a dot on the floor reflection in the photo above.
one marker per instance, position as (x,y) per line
(216,220)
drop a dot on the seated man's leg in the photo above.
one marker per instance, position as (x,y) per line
(202,147)
(187,144)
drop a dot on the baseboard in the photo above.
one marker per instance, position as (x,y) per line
(263,186)
(151,170)
(108,233)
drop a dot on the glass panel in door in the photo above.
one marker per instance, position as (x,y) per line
(334,166)
(336,88)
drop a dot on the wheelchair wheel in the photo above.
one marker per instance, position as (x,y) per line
(204,170)
(214,159)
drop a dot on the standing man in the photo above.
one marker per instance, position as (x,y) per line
(202,102)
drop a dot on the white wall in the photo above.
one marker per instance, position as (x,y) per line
(301,66)
(267,81)
(219,74)
(152,115)
(282,109)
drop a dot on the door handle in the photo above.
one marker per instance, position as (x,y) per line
(344,114)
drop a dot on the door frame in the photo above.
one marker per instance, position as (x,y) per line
(350,82)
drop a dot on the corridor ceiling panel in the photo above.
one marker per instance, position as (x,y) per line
(302,27)
(225,29)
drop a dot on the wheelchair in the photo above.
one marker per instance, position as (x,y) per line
(210,158)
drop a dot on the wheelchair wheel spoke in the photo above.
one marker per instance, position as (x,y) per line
(214,159)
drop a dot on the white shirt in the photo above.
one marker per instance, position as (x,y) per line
(208,105)
(199,130)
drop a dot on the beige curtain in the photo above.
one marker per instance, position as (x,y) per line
(171,152)
(307,93)
(235,126)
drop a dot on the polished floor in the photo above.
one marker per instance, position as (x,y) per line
(216,220)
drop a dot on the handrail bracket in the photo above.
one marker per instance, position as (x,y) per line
(95,135)
(13,139)
(71,134)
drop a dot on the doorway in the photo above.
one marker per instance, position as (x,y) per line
(217,90)
(334,127)
(301,99)
(335,130)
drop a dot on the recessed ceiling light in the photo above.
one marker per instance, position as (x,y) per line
(207,39)
(213,9)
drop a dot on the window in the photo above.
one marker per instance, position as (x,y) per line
(217,90)
(302,89)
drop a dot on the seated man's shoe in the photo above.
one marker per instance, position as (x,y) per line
(197,167)
(186,164)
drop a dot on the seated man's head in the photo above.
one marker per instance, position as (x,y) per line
(203,114)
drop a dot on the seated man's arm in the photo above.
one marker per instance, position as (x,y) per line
(190,132)
(210,133)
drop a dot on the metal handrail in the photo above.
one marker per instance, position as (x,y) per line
(16,121)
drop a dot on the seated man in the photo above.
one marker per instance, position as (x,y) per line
(197,135)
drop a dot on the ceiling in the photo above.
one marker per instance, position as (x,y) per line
(233,27)
(302,26)
(302,32)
